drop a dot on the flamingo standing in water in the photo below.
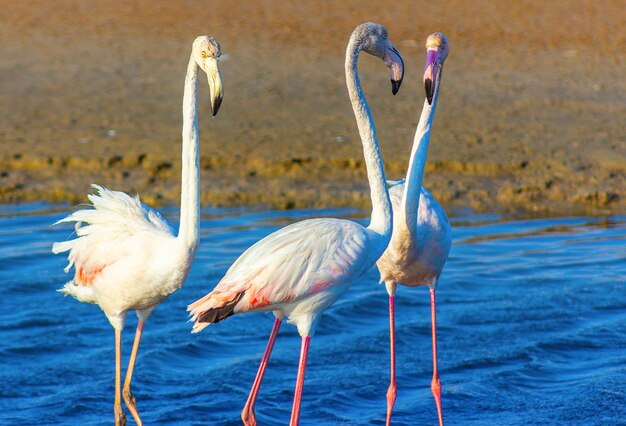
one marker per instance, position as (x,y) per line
(302,269)
(421,237)
(126,255)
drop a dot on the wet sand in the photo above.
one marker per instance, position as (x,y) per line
(530,117)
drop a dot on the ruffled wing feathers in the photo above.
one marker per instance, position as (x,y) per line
(102,230)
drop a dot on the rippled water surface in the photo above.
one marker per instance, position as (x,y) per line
(532,330)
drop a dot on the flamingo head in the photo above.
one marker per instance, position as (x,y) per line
(206,52)
(436,53)
(374,40)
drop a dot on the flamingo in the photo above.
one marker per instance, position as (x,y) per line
(300,270)
(126,256)
(421,237)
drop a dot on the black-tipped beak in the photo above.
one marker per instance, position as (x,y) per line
(395,86)
(217,102)
(216,90)
(430,74)
(430,90)
(394,62)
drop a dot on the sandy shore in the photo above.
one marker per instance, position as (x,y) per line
(530,118)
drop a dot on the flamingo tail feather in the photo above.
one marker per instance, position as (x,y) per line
(208,310)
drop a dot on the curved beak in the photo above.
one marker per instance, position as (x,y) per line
(431,72)
(212,69)
(394,62)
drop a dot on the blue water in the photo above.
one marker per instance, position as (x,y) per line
(532,330)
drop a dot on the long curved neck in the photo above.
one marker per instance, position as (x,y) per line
(381,205)
(417,163)
(190,189)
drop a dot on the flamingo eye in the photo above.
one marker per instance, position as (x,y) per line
(204,55)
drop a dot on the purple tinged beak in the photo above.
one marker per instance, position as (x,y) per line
(431,70)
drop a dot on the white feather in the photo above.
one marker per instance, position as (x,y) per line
(293,264)
(125,254)
(103,230)
(417,260)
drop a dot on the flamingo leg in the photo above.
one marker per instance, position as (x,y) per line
(297,399)
(247,415)
(435,385)
(392,390)
(129,399)
(120,417)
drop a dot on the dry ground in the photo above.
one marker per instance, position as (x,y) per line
(530,118)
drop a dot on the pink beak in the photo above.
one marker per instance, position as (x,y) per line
(430,73)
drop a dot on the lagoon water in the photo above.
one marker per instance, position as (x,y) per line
(531,313)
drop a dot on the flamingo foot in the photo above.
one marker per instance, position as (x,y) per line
(120,417)
(435,387)
(131,403)
(392,391)
(247,416)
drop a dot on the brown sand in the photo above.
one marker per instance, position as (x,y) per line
(531,114)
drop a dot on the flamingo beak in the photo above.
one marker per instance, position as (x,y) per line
(211,66)
(394,62)
(431,71)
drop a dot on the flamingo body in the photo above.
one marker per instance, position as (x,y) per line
(297,272)
(303,268)
(126,256)
(421,236)
(416,261)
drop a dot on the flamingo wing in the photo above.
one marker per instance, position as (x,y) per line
(288,265)
(103,232)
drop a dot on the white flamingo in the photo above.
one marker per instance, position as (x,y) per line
(126,255)
(421,237)
(303,268)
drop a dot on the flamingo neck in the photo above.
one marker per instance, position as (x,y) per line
(190,189)
(417,163)
(381,220)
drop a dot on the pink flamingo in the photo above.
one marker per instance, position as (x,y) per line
(421,237)
(126,255)
(303,268)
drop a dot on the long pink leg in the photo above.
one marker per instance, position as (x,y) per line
(435,385)
(392,390)
(129,399)
(297,399)
(120,417)
(247,415)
